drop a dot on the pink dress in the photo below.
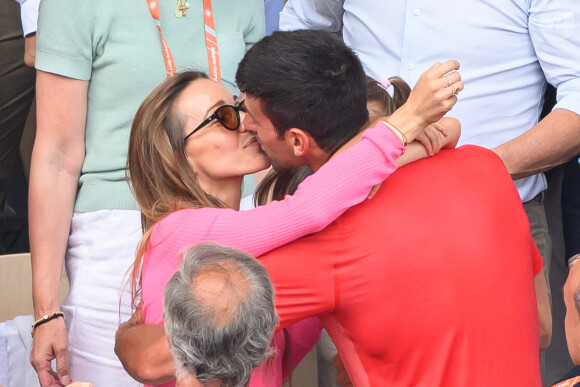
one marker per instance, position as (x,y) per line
(343,182)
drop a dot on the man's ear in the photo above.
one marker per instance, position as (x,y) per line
(300,141)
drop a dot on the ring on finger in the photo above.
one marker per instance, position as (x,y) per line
(448,80)
(456,91)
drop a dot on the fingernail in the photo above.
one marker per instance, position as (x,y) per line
(65,379)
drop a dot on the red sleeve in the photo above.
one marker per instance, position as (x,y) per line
(303,276)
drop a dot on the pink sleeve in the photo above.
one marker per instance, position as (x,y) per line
(338,185)
(341,183)
(303,336)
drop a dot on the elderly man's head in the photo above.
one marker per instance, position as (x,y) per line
(219,315)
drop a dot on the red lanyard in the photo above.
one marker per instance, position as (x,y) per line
(213,59)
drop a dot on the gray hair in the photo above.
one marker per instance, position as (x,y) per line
(219,335)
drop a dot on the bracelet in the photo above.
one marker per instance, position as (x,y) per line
(44,319)
(397,132)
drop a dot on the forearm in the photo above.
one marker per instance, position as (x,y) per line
(145,354)
(416,151)
(52,194)
(56,164)
(544,312)
(453,127)
(407,122)
(553,141)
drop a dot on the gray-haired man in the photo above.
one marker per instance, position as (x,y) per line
(219,316)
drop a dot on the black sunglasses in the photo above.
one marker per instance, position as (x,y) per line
(227,115)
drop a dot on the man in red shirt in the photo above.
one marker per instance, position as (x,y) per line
(411,284)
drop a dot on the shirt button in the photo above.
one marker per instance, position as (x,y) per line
(411,67)
(417,12)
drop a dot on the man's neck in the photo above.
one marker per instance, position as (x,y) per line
(318,157)
(318,160)
(348,144)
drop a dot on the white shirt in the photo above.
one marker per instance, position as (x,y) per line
(29,15)
(507,50)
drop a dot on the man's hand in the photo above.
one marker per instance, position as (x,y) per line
(50,342)
(552,141)
(30,50)
(144,350)
(135,320)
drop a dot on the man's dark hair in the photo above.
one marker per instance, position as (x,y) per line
(309,80)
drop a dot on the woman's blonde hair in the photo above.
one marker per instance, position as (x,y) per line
(160,176)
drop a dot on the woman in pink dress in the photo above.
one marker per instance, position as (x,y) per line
(187,156)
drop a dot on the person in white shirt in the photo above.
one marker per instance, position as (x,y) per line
(16,96)
(29,18)
(509,50)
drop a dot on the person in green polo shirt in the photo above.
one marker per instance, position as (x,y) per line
(96,62)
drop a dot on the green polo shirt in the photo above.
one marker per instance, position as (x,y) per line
(116,46)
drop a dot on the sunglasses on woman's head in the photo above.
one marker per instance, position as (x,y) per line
(227,115)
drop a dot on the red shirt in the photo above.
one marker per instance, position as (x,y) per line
(430,283)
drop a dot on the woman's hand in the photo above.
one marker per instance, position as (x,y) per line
(441,134)
(433,138)
(50,342)
(433,96)
(436,91)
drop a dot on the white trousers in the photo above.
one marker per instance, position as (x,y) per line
(101,250)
